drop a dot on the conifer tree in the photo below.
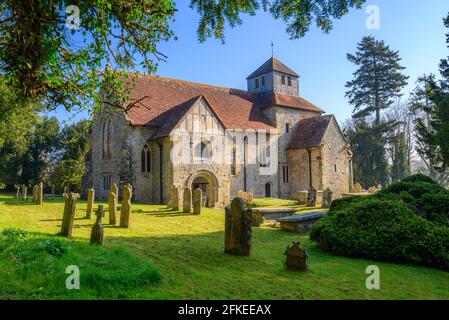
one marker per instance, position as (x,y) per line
(377,81)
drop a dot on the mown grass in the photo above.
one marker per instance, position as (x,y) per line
(283,203)
(188,252)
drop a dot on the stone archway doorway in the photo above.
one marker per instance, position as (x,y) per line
(208,183)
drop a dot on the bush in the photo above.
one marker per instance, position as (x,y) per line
(383,230)
(435,208)
(419,178)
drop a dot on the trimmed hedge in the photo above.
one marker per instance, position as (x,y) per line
(383,230)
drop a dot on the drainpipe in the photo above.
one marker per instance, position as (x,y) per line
(245,149)
(309,151)
(161,188)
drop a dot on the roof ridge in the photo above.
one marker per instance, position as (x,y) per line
(189,82)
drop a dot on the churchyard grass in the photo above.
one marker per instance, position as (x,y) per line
(187,250)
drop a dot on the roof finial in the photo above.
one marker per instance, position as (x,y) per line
(272,49)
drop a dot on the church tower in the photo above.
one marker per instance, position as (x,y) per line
(274,76)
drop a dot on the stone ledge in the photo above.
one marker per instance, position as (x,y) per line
(300,222)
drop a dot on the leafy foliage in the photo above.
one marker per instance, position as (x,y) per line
(383,230)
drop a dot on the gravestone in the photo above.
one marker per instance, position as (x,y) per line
(97,234)
(311,198)
(327,198)
(18,192)
(114,189)
(53,190)
(69,214)
(40,193)
(197,200)
(126,206)
(249,198)
(372,189)
(379,187)
(175,198)
(112,200)
(296,257)
(187,200)
(24,192)
(90,202)
(66,189)
(238,229)
(357,188)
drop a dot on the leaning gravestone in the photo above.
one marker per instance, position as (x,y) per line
(126,206)
(97,234)
(187,200)
(238,230)
(69,214)
(311,198)
(112,200)
(175,198)
(90,202)
(197,200)
(327,198)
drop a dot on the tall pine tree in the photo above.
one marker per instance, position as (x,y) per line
(377,81)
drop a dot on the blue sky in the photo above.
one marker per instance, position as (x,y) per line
(414,27)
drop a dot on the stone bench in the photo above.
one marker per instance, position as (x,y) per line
(259,215)
(300,222)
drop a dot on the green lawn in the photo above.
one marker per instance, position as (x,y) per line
(188,252)
(283,203)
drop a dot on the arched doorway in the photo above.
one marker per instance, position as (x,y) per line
(208,183)
(267,190)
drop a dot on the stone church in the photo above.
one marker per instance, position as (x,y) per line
(165,139)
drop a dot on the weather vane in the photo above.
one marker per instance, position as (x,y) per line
(272,49)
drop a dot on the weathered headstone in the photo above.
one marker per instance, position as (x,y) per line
(40,193)
(197,200)
(18,192)
(97,234)
(175,198)
(187,200)
(24,192)
(296,257)
(372,189)
(66,189)
(126,206)
(90,202)
(357,188)
(249,198)
(114,189)
(69,215)
(311,197)
(238,229)
(112,207)
(53,190)
(301,197)
(327,198)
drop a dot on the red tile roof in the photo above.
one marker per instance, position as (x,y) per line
(163,102)
(283,100)
(309,132)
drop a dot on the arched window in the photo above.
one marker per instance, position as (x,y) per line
(145,158)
